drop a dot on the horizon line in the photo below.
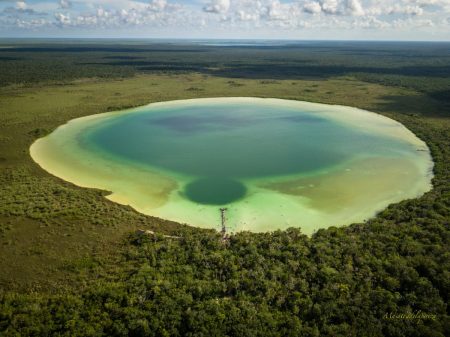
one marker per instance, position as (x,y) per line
(212,39)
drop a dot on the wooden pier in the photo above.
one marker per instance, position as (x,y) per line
(225,236)
(223,218)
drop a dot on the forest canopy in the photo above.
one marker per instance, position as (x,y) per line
(76,264)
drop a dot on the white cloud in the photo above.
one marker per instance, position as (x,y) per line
(402,7)
(230,16)
(354,7)
(21,9)
(371,22)
(65,4)
(428,2)
(217,6)
(312,7)
(330,6)
(21,5)
(277,11)
(157,5)
(62,20)
(408,9)
(33,24)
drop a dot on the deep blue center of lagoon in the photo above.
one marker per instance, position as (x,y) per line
(220,145)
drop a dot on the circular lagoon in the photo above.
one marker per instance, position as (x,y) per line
(272,163)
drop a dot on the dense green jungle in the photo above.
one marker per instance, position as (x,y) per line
(76,264)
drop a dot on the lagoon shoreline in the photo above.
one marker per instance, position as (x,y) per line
(164,201)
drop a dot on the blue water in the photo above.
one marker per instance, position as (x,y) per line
(220,145)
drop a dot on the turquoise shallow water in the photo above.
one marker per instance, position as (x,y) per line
(219,146)
(272,163)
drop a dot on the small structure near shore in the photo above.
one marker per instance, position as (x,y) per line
(225,235)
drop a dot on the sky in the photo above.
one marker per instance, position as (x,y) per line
(424,20)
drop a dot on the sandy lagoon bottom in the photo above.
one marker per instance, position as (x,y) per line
(273,163)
